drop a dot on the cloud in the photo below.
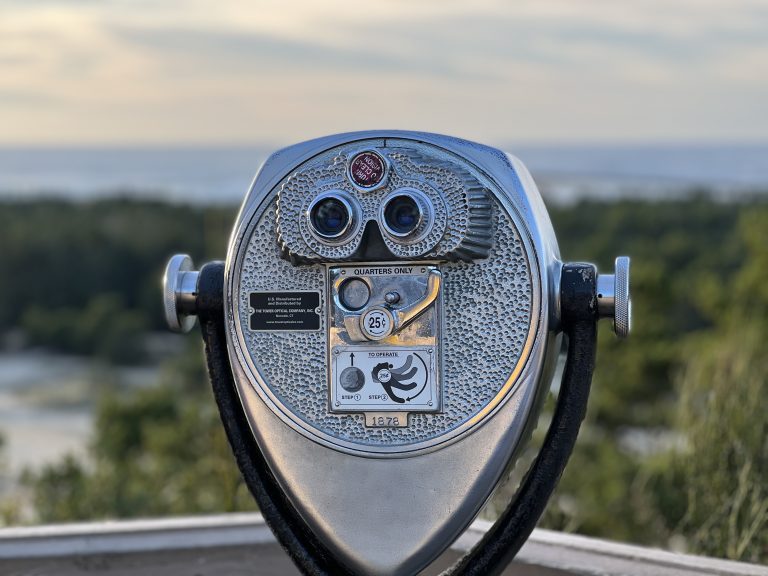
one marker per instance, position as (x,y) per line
(557,69)
(26,98)
(237,50)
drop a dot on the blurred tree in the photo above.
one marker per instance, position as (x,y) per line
(104,329)
(723,468)
(9,507)
(156,451)
(61,254)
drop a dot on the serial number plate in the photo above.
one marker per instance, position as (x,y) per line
(386,419)
(384,379)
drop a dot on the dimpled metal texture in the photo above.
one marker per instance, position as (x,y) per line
(469,209)
(297,193)
(488,312)
(460,204)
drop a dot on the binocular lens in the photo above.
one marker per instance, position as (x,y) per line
(402,215)
(330,217)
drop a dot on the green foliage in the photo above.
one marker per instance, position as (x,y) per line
(62,258)
(675,246)
(722,413)
(693,376)
(9,507)
(104,329)
(157,451)
(723,407)
(62,492)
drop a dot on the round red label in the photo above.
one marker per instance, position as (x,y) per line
(367,169)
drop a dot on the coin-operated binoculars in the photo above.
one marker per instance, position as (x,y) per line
(380,341)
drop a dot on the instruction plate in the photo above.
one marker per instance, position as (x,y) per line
(384,378)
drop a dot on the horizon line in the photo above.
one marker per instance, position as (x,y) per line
(267,146)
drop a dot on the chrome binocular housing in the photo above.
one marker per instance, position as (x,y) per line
(393,315)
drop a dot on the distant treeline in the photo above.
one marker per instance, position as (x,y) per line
(83,277)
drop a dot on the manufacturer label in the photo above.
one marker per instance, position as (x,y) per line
(383,378)
(274,311)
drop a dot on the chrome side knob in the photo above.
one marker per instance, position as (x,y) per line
(613,297)
(179,293)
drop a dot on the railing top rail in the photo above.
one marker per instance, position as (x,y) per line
(146,541)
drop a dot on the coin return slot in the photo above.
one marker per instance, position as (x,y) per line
(354,294)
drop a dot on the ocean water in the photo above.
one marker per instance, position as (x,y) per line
(221,175)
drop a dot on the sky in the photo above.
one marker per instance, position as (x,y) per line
(135,72)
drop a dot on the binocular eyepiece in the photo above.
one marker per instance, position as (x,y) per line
(402,214)
(331,216)
(406,215)
(389,319)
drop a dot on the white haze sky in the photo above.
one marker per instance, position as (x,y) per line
(253,71)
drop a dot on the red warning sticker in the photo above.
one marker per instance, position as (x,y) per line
(367,169)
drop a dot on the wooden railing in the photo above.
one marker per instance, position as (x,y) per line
(241,544)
